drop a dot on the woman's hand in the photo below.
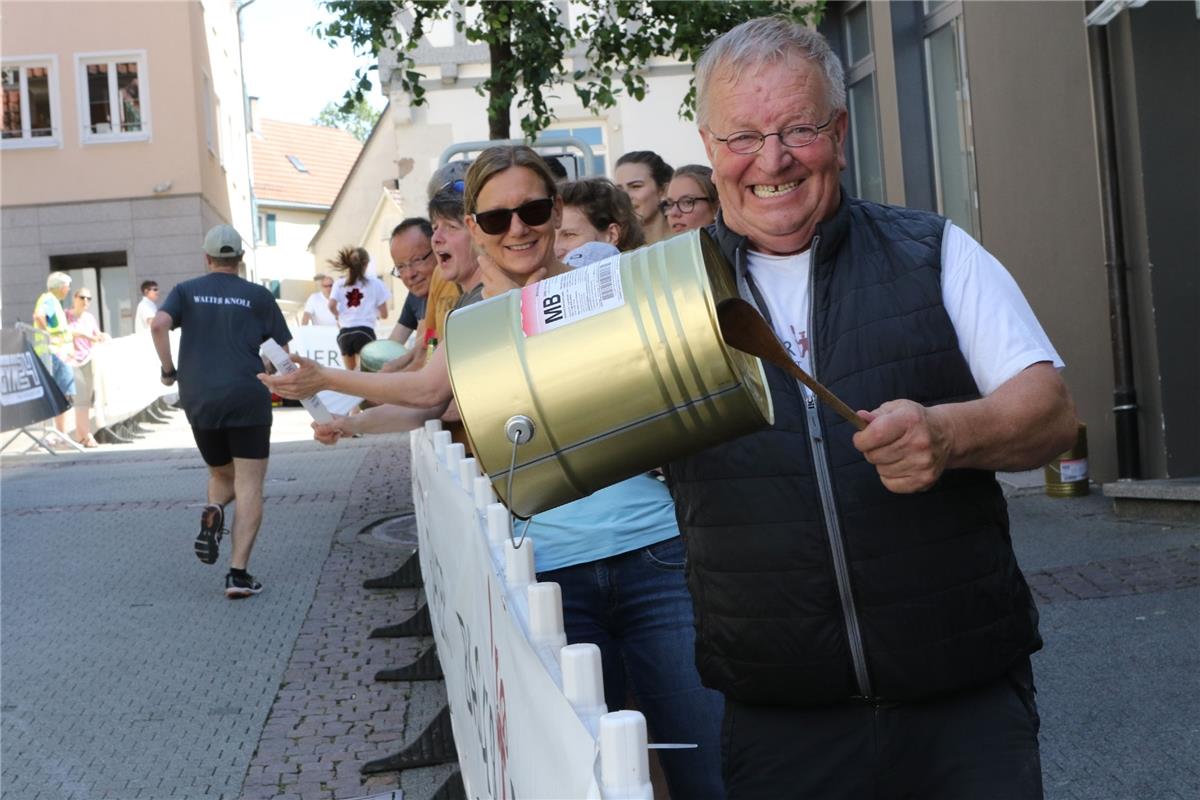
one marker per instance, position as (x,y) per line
(304,382)
(329,432)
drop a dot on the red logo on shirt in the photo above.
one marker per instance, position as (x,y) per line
(354,298)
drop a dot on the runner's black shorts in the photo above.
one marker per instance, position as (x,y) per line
(352,340)
(219,446)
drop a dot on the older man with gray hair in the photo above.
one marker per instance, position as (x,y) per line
(857,597)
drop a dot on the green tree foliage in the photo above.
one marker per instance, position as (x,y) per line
(528,42)
(358,121)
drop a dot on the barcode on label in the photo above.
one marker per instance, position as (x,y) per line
(605,278)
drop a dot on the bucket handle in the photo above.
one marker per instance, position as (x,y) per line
(519,430)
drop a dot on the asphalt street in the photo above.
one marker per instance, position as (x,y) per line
(125,673)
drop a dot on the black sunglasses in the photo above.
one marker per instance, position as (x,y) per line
(496,221)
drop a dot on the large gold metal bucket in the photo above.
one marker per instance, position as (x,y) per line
(620,367)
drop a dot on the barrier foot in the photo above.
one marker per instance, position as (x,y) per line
(111,436)
(427,667)
(408,576)
(451,788)
(435,745)
(416,625)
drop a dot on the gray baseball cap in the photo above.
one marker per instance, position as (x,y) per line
(223,241)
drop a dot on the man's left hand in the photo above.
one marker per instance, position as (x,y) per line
(908,443)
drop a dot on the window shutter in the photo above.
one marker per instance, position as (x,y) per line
(271,230)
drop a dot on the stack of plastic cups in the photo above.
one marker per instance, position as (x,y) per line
(583,683)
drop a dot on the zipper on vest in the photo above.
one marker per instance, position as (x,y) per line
(828,503)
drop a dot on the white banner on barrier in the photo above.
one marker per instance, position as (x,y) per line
(516,734)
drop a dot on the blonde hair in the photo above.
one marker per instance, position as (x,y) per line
(494,160)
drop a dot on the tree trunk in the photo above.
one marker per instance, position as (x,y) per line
(500,117)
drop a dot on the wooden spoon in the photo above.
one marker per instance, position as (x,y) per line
(744,328)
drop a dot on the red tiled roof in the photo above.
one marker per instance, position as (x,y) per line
(327,153)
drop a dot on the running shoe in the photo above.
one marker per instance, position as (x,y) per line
(212,528)
(237,588)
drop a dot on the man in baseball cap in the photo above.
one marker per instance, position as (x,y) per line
(224,320)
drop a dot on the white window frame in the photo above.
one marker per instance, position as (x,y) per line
(82,61)
(27,140)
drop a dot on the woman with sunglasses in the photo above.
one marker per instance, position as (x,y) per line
(595,210)
(357,300)
(641,616)
(691,199)
(644,176)
(616,554)
(86,332)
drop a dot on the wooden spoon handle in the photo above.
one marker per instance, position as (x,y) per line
(827,397)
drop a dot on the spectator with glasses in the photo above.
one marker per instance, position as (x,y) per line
(316,308)
(412,257)
(644,176)
(595,210)
(691,199)
(87,333)
(858,601)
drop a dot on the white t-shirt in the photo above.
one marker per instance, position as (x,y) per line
(358,304)
(998,333)
(145,310)
(317,306)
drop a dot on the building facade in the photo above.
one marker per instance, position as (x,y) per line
(123,142)
(989,113)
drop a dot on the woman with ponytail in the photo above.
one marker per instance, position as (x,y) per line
(357,300)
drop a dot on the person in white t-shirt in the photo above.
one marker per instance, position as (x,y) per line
(147,307)
(357,300)
(858,601)
(316,308)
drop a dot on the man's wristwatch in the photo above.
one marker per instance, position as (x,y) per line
(167,373)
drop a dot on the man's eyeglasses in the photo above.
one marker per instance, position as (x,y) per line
(685,203)
(496,221)
(747,142)
(416,262)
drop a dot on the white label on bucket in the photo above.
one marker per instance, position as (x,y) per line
(572,296)
(1074,470)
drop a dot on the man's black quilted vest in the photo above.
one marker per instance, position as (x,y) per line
(938,597)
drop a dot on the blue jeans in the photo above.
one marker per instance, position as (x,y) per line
(63,375)
(636,608)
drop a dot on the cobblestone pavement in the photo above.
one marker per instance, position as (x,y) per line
(127,675)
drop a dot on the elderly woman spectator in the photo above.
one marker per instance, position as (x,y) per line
(691,199)
(644,176)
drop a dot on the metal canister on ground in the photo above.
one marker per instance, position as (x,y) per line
(617,367)
(1067,475)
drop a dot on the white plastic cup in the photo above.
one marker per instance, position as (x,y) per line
(518,564)
(467,471)
(499,524)
(546,616)
(455,453)
(441,440)
(484,496)
(583,683)
(624,760)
